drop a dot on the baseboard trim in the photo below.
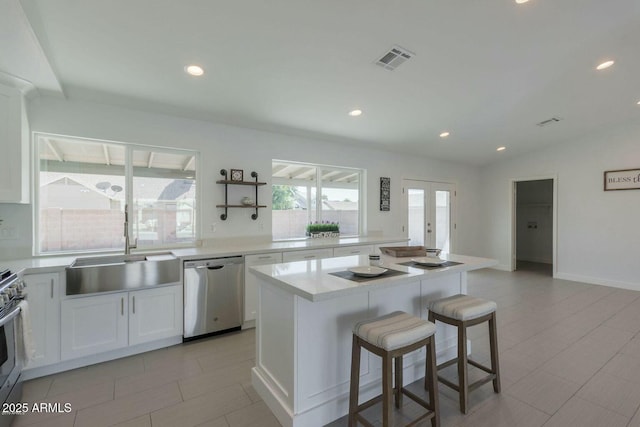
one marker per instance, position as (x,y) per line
(598,281)
(67,365)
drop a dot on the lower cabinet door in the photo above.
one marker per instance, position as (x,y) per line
(155,314)
(91,325)
(44,303)
(250,281)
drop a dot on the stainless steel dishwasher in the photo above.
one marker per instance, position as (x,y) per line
(213,295)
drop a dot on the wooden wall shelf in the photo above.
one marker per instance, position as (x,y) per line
(227,182)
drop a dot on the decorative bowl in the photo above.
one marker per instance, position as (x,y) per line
(247,201)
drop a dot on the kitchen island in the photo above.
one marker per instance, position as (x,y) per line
(305,316)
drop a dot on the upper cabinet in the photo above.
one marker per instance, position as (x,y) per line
(14,143)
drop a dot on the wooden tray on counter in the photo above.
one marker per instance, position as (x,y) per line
(404,251)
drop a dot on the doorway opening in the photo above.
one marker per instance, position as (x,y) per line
(430,213)
(534,229)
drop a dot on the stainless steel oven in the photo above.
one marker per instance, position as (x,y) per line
(11,293)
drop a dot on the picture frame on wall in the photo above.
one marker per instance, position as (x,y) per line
(237,175)
(385,194)
(623,179)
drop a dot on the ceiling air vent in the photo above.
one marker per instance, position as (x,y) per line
(394,58)
(548,122)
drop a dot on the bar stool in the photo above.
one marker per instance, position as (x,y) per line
(463,311)
(391,337)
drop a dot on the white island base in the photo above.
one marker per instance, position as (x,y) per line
(304,324)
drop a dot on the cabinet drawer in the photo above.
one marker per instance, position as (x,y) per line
(262,259)
(307,255)
(353,250)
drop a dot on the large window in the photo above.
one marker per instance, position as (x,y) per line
(305,193)
(83,186)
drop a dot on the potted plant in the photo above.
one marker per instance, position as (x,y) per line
(323,229)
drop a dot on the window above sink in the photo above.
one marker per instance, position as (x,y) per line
(83,185)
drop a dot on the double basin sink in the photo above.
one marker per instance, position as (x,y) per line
(121,273)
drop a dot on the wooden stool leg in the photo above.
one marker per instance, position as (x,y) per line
(431,381)
(355,381)
(463,379)
(398,388)
(495,364)
(387,387)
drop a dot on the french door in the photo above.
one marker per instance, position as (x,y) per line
(430,212)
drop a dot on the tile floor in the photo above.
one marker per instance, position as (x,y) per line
(569,354)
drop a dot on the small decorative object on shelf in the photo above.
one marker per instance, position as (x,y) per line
(246,202)
(237,175)
(324,229)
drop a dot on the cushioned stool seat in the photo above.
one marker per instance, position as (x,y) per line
(463,311)
(394,330)
(390,337)
(462,307)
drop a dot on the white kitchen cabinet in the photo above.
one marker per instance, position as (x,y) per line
(353,250)
(250,285)
(99,323)
(307,254)
(94,324)
(155,314)
(43,295)
(14,142)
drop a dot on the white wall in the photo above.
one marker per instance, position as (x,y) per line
(227,147)
(597,231)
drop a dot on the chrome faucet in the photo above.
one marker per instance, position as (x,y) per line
(127,244)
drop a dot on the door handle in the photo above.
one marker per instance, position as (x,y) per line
(122,306)
(51,288)
(212,267)
(133,300)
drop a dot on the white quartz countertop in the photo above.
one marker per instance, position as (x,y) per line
(228,247)
(311,279)
(243,247)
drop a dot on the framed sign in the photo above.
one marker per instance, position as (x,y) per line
(237,174)
(385,193)
(625,179)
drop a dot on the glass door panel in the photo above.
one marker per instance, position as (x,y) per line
(429,213)
(442,214)
(416,204)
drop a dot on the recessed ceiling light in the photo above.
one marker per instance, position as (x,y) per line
(355,113)
(638,102)
(501,148)
(194,70)
(444,134)
(604,65)
(521,1)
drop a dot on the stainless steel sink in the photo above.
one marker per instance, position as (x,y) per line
(121,272)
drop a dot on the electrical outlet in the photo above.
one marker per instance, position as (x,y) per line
(213,227)
(8,233)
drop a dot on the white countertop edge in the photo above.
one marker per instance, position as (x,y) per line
(349,287)
(55,264)
(281,246)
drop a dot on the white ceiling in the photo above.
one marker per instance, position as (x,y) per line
(487,71)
